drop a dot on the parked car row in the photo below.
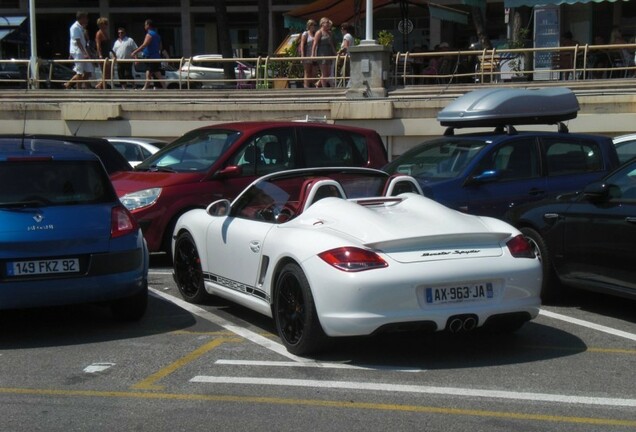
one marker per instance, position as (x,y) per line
(202,71)
(52,75)
(470,230)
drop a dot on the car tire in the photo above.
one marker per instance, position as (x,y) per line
(295,313)
(551,288)
(131,308)
(187,270)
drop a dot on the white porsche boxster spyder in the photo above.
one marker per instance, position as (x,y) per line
(333,252)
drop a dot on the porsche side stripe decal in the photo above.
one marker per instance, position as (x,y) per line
(236,286)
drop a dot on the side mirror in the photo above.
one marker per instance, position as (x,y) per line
(486,176)
(599,192)
(229,171)
(219,208)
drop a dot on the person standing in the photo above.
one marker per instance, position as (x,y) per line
(324,47)
(78,50)
(306,45)
(103,45)
(123,49)
(347,38)
(347,42)
(151,49)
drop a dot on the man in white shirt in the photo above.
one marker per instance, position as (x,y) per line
(79,51)
(123,48)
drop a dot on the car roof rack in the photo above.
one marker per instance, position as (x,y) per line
(505,107)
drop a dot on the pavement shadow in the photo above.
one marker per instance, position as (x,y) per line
(438,350)
(442,350)
(601,304)
(84,324)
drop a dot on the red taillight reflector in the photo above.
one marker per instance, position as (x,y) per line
(121,222)
(352,259)
(519,247)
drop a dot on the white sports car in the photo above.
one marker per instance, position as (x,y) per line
(352,251)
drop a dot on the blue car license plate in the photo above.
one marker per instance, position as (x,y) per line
(455,294)
(43,267)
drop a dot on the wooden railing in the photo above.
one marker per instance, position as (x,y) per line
(409,68)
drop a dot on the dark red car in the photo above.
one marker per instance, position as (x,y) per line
(219,161)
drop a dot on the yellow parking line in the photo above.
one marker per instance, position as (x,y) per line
(325,404)
(612,351)
(586,349)
(212,333)
(149,382)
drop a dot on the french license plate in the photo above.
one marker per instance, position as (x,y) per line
(42,267)
(460,293)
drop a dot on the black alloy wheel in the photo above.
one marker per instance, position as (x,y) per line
(295,313)
(187,270)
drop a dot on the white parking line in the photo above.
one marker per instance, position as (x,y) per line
(590,325)
(98,367)
(313,365)
(256,338)
(160,272)
(243,332)
(445,391)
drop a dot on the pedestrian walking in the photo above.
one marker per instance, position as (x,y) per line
(123,48)
(151,49)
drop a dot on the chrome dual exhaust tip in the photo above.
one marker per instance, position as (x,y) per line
(461,323)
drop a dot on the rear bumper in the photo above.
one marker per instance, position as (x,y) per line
(109,277)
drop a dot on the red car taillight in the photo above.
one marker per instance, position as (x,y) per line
(121,222)
(352,259)
(519,247)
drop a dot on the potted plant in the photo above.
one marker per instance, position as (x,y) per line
(385,38)
(518,61)
(290,69)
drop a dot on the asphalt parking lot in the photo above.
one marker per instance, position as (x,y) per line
(222,367)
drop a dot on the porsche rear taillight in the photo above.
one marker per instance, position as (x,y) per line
(519,247)
(121,222)
(352,259)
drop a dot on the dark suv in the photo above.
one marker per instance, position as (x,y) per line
(489,173)
(219,161)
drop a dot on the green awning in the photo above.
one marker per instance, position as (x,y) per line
(445,13)
(532,3)
(477,3)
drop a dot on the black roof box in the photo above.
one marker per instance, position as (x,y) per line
(495,107)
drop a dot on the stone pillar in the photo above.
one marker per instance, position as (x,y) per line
(369,71)
(186,31)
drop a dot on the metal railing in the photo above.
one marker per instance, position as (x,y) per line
(495,65)
(430,68)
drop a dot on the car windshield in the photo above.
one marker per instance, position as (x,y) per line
(194,152)
(49,182)
(442,158)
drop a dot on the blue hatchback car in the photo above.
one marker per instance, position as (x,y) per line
(488,173)
(65,238)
